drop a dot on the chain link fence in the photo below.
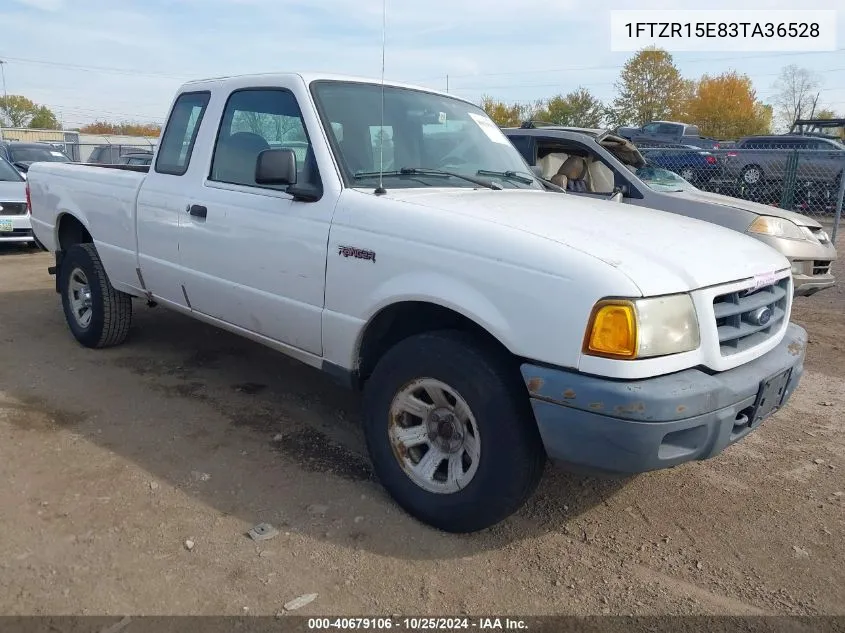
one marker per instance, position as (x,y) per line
(105,153)
(802,174)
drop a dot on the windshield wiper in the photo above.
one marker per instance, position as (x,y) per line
(427,171)
(506,174)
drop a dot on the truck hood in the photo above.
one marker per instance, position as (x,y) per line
(747,205)
(12,191)
(660,252)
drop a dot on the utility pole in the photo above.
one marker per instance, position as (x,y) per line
(5,96)
(447,83)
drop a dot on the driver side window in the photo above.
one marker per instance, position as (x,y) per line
(256,120)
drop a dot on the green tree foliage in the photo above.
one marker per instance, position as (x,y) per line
(503,115)
(578,108)
(18,111)
(44,119)
(650,88)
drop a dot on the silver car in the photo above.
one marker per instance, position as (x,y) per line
(15,224)
(596,163)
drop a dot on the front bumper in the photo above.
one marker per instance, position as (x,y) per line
(810,276)
(623,426)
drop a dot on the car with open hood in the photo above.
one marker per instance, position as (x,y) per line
(598,164)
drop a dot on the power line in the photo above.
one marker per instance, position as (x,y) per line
(101,69)
(603,83)
(618,66)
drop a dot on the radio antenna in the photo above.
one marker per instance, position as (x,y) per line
(381,190)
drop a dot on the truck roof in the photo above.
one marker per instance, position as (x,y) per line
(307,77)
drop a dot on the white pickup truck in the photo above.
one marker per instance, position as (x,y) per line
(411,252)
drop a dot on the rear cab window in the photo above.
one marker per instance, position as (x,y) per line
(177,142)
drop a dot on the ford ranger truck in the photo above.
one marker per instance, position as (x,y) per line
(393,237)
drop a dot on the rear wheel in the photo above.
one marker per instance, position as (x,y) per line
(688,175)
(96,313)
(450,433)
(752,175)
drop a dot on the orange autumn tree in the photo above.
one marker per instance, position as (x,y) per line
(726,107)
(129,129)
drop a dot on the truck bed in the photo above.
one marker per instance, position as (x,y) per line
(97,195)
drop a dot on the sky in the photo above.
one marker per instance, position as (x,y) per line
(123,60)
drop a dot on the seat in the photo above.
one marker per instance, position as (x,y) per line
(236,157)
(600,177)
(570,176)
(550,163)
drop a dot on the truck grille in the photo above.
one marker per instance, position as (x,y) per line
(13,208)
(821,267)
(737,316)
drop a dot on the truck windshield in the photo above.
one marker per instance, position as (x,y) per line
(423,137)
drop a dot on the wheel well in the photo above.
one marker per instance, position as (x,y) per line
(401,320)
(72,231)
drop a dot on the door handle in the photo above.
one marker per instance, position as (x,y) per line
(197,211)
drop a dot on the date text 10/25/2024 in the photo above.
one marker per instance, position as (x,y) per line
(417,624)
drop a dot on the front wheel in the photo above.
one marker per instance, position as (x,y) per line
(451,433)
(96,313)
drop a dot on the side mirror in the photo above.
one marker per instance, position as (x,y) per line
(276,167)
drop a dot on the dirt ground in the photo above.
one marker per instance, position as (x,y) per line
(111,460)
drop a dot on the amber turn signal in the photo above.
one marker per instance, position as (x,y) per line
(613,330)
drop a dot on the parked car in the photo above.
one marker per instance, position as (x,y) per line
(489,322)
(668,132)
(757,160)
(15,225)
(691,163)
(611,163)
(136,158)
(111,154)
(22,155)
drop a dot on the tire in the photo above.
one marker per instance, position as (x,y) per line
(97,314)
(688,175)
(752,175)
(501,454)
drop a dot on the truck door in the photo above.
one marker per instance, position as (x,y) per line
(252,256)
(161,201)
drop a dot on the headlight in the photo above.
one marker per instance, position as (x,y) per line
(777,227)
(642,328)
(819,237)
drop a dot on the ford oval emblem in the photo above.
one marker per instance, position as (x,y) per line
(760,316)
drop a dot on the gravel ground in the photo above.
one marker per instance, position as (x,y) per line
(133,474)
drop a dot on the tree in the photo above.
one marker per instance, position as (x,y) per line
(127,129)
(578,108)
(826,113)
(726,107)
(502,114)
(44,119)
(796,95)
(650,88)
(18,111)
